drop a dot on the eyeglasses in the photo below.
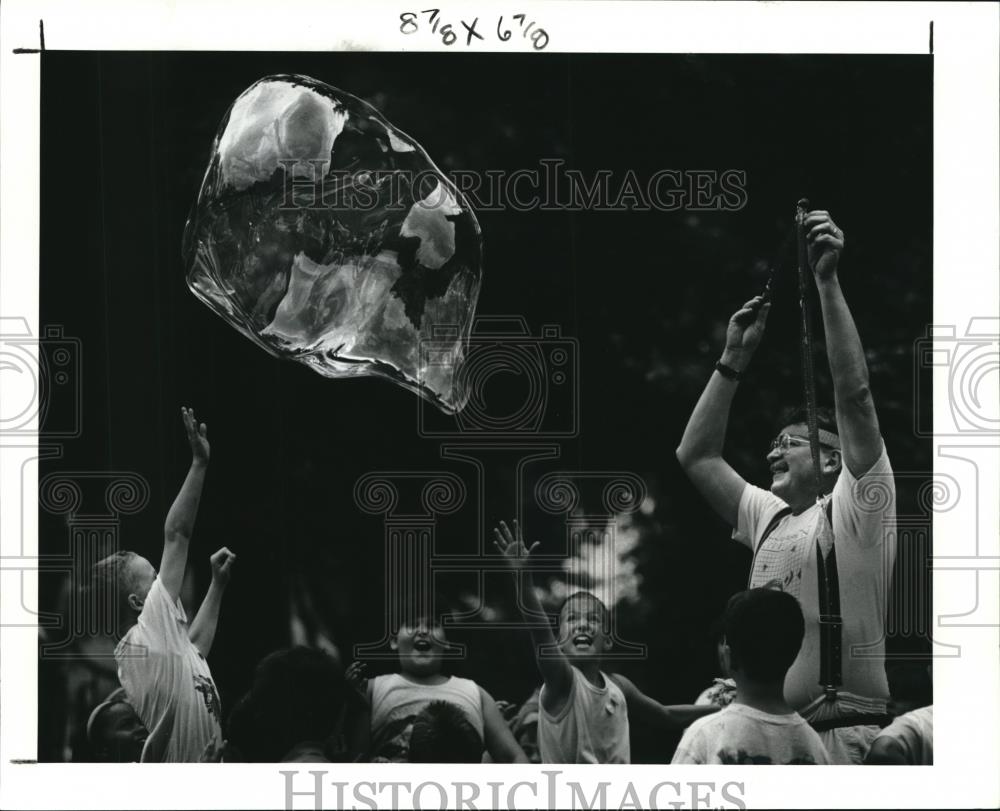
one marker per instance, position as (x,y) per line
(786,441)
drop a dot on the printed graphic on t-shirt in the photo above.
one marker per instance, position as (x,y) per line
(206,687)
(780,562)
(394,741)
(720,694)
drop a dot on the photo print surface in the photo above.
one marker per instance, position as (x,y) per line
(610,213)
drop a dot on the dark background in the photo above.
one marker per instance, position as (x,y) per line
(125,142)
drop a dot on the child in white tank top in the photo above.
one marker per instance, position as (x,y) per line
(395,700)
(584,712)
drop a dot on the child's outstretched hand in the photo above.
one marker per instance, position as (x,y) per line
(222,564)
(512,546)
(197,436)
(358,680)
(508,711)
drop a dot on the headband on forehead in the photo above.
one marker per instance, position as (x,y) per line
(828,438)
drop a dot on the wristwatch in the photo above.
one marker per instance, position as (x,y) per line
(727,372)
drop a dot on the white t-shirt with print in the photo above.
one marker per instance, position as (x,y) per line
(864,531)
(168,682)
(739,735)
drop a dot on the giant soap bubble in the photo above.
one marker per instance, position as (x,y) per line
(326,235)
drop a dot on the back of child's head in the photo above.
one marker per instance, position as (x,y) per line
(297,696)
(764,631)
(443,734)
(112,579)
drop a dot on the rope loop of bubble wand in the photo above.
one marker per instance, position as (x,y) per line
(826,564)
(806,345)
(798,233)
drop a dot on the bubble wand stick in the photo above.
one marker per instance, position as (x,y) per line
(806,346)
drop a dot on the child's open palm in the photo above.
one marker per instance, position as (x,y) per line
(197,435)
(511,545)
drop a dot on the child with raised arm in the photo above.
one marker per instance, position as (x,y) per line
(392,703)
(763,634)
(584,712)
(161,662)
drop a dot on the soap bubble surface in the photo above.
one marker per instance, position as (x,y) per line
(326,235)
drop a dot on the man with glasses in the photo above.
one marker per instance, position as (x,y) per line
(833,546)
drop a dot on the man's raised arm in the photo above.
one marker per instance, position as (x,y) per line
(857,422)
(700,451)
(179,525)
